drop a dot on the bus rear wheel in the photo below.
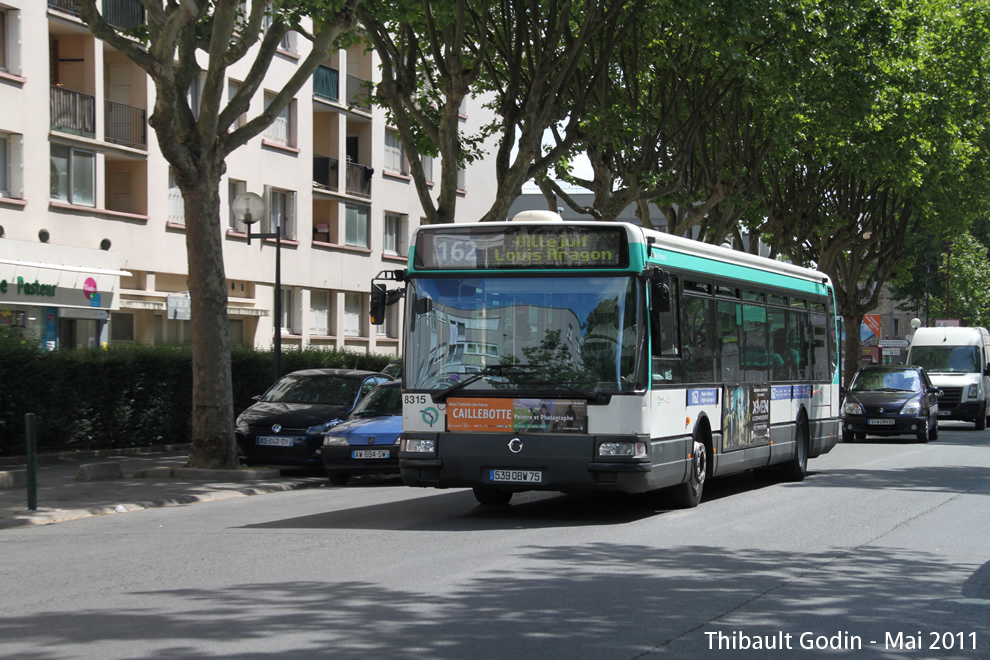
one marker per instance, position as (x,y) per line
(492,496)
(688,495)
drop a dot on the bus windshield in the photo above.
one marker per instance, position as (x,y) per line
(534,334)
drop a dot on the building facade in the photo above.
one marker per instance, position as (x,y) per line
(92,230)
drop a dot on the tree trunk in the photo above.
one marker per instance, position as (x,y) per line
(854,346)
(213,443)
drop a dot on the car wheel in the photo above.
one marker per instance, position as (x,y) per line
(338,478)
(861,436)
(923,435)
(688,495)
(847,436)
(488,496)
(797,467)
(933,431)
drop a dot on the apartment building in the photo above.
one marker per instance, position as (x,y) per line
(92,233)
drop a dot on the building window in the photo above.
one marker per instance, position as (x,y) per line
(3,40)
(319,313)
(395,160)
(236,331)
(356,231)
(427,167)
(281,212)
(4,166)
(280,130)
(72,176)
(287,311)
(232,88)
(390,328)
(461,178)
(352,315)
(235,188)
(286,43)
(121,327)
(395,233)
(176,205)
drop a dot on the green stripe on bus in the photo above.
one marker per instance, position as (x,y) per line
(704,265)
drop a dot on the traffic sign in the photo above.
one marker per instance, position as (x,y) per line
(893,343)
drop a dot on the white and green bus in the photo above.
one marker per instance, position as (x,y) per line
(583,356)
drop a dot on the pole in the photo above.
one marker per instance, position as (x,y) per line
(948,270)
(928,261)
(31,431)
(277,343)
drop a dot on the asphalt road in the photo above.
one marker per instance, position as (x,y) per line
(882,552)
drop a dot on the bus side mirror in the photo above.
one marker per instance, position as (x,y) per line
(378,298)
(660,283)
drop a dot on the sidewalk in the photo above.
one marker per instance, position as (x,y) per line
(71,486)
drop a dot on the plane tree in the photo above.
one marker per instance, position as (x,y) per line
(532,61)
(181,42)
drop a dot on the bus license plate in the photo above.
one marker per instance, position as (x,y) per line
(880,422)
(370,453)
(273,441)
(518,476)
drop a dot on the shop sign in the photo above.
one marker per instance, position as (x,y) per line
(23,288)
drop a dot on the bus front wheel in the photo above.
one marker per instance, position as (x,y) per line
(688,495)
(492,496)
(796,468)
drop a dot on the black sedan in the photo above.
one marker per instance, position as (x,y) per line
(286,425)
(890,400)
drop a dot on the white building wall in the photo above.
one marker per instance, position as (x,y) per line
(149,248)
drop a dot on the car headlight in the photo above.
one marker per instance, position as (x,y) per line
(419,445)
(241,426)
(972,391)
(334,441)
(912,407)
(852,408)
(320,429)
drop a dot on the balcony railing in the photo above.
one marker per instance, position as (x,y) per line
(358,94)
(124,124)
(123,14)
(73,112)
(326,83)
(326,172)
(68,6)
(358,181)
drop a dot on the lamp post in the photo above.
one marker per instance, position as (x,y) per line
(249,208)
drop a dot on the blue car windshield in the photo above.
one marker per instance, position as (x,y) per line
(323,390)
(537,333)
(382,401)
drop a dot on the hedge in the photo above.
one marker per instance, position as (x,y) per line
(127,396)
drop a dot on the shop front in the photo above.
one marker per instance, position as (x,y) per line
(57,295)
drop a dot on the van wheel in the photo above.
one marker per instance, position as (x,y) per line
(981,421)
(688,495)
(338,478)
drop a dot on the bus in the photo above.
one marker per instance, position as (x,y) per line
(591,356)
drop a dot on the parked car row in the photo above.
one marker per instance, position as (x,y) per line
(346,420)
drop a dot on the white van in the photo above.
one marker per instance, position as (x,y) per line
(958,362)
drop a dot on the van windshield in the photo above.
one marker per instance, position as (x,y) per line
(947,359)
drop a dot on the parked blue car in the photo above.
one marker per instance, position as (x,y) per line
(367,442)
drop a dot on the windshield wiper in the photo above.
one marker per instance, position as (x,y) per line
(490,370)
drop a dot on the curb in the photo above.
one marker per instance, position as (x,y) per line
(95,453)
(13,479)
(99,471)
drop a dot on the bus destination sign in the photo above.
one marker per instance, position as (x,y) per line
(526,246)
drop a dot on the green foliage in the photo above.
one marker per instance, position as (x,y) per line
(126,396)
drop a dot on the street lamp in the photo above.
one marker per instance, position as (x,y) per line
(249,208)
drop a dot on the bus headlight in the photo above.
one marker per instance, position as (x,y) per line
(633,449)
(418,445)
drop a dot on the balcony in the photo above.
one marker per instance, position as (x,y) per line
(358,94)
(325,172)
(73,112)
(358,180)
(124,124)
(122,14)
(326,84)
(66,6)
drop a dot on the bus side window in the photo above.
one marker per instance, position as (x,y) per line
(821,368)
(781,364)
(755,359)
(729,326)
(699,349)
(664,333)
(798,335)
